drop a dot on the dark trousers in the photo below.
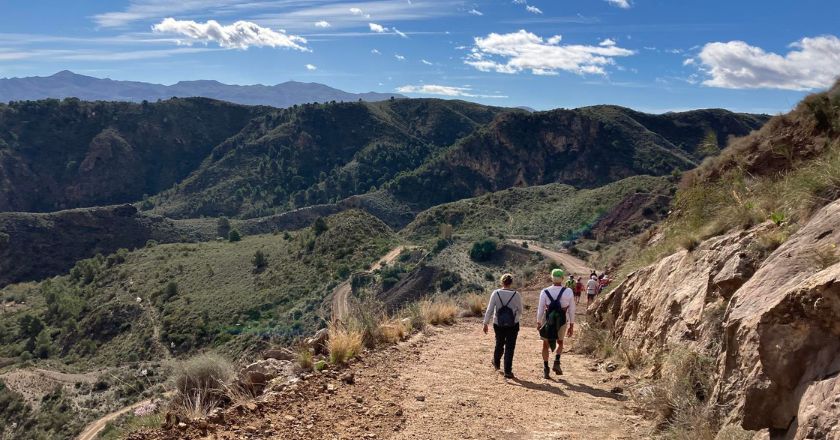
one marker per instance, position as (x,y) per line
(505,343)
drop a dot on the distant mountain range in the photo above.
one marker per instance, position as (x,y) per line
(66,84)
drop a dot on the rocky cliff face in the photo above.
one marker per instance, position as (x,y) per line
(772,322)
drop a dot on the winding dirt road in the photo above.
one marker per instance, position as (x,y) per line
(572,265)
(92,431)
(341,293)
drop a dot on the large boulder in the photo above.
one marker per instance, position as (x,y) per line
(255,377)
(783,329)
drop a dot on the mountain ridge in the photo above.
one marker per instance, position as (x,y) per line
(67,84)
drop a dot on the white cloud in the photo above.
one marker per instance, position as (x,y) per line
(607,42)
(239,35)
(520,51)
(322,24)
(378,28)
(623,4)
(356,11)
(154,9)
(398,32)
(311,67)
(375,51)
(689,61)
(533,9)
(434,89)
(428,63)
(475,11)
(812,63)
(519,2)
(399,57)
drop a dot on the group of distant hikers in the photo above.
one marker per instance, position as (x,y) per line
(555,316)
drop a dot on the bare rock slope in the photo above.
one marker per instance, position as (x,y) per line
(771,321)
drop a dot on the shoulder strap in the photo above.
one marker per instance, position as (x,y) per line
(509,299)
(548,294)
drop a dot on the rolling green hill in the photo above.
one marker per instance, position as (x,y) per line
(550,212)
(586,147)
(68,154)
(319,153)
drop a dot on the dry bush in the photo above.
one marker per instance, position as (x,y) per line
(201,385)
(679,397)
(439,311)
(633,358)
(304,358)
(769,241)
(595,340)
(391,331)
(416,319)
(734,432)
(689,242)
(475,304)
(344,344)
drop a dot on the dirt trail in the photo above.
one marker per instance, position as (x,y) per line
(465,399)
(341,293)
(92,431)
(439,386)
(572,264)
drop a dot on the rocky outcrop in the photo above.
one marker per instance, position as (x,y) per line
(772,323)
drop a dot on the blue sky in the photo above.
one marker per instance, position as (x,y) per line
(652,55)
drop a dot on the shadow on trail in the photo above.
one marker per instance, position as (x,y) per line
(539,387)
(594,392)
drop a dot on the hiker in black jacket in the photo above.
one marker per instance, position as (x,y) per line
(505,308)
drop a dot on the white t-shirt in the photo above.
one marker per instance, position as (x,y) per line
(567,301)
(591,287)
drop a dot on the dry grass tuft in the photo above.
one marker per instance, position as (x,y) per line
(734,432)
(679,398)
(392,331)
(304,358)
(344,344)
(439,311)
(201,385)
(475,304)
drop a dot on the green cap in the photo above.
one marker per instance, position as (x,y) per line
(557,273)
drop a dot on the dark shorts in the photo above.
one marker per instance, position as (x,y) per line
(590,296)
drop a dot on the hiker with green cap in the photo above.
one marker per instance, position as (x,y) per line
(555,320)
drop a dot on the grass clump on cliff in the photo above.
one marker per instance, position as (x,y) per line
(201,385)
(679,396)
(344,344)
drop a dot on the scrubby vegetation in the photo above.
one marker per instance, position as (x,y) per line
(782,174)
(201,384)
(108,314)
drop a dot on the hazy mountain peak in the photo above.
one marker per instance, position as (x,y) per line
(66,84)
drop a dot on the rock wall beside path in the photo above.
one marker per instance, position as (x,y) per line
(771,321)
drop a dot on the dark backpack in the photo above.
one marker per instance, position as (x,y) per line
(554,305)
(505,316)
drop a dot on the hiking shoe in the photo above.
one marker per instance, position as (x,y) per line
(557,369)
(509,376)
(546,372)
(495,365)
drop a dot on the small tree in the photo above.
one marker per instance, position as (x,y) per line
(234,236)
(483,250)
(260,261)
(223,226)
(319,226)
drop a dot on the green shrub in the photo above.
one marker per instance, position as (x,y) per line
(223,226)
(319,226)
(483,250)
(234,236)
(260,260)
